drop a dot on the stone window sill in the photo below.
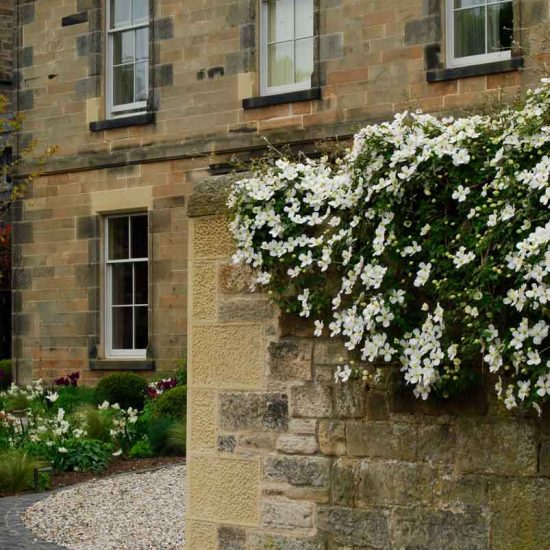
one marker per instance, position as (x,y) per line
(278,99)
(439,75)
(122,364)
(122,122)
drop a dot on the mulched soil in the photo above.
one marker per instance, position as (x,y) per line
(118,466)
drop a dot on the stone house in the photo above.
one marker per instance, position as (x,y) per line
(121,254)
(146,98)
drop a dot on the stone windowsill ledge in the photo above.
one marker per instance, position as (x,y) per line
(440,75)
(122,122)
(278,99)
(122,364)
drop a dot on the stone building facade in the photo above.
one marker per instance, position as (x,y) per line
(145,129)
(282,458)
(144,104)
(200,104)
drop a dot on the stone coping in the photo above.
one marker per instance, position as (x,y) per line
(209,197)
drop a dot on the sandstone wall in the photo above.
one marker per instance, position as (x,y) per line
(372,59)
(57,322)
(282,458)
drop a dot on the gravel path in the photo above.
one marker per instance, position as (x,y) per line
(125,512)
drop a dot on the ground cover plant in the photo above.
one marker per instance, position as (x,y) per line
(69,427)
(427,244)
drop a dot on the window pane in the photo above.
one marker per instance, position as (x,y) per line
(142,327)
(469,32)
(140,274)
(304,60)
(123,85)
(123,47)
(500,24)
(141,11)
(139,236)
(304,18)
(280,20)
(142,43)
(281,64)
(118,238)
(142,81)
(469,3)
(122,328)
(122,284)
(121,13)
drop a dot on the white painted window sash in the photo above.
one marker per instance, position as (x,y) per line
(489,57)
(110,351)
(265,89)
(127,109)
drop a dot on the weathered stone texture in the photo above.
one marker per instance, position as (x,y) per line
(227,356)
(357,528)
(290,359)
(224,490)
(251,411)
(310,471)
(501,447)
(311,400)
(287,514)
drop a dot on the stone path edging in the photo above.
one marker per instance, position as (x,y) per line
(14,535)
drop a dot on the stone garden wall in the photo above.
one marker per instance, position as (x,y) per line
(281,458)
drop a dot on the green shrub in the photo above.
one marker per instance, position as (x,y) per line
(177,438)
(172,403)
(5,374)
(84,455)
(125,388)
(141,449)
(181,373)
(157,434)
(72,397)
(17,471)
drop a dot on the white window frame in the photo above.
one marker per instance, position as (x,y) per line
(110,352)
(265,89)
(481,59)
(127,109)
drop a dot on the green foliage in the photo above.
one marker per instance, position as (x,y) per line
(125,388)
(427,245)
(84,455)
(172,403)
(141,449)
(181,373)
(157,435)
(18,401)
(177,438)
(17,471)
(5,373)
(72,397)
(97,423)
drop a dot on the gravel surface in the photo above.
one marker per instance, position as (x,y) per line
(124,512)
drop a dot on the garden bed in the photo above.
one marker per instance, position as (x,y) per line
(56,435)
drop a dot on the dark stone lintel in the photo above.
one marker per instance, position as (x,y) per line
(277,99)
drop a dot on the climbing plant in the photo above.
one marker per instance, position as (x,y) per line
(427,243)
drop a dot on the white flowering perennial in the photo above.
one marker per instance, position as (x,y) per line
(427,244)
